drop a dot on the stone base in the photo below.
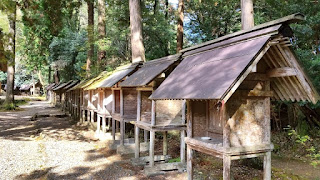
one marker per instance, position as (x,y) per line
(129,147)
(143,161)
(159,169)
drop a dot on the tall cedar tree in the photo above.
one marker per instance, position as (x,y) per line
(101,28)
(12,16)
(180,25)
(137,47)
(90,30)
(247,19)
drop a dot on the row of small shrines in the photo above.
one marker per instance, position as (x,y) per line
(217,94)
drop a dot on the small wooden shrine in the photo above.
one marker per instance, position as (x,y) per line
(60,94)
(155,116)
(228,84)
(103,103)
(124,100)
(71,98)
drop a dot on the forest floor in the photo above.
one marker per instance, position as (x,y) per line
(55,148)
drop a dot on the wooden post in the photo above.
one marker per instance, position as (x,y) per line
(145,134)
(109,121)
(182,133)
(113,129)
(189,163)
(104,130)
(137,130)
(92,116)
(226,167)
(267,166)
(122,125)
(98,124)
(153,113)
(165,143)
(151,150)
(189,134)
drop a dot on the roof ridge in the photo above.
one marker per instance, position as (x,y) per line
(287,19)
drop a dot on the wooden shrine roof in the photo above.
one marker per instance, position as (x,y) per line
(72,84)
(62,85)
(149,70)
(215,69)
(118,75)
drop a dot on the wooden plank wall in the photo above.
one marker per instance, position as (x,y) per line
(146,106)
(107,102)
(130,102)
(199,118)
(117,99)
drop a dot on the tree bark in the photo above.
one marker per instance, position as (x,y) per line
(101,29)
(138,53)
(11,59)
(90,35)
(180,26)
(56,77)
(247,19)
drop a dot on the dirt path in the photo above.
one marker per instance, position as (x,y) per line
(52,148)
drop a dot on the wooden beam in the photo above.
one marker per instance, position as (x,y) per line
(145,89)
(165,143)
(282,72)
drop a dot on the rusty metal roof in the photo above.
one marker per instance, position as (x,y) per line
(149,71)
(118,75)
(211,73)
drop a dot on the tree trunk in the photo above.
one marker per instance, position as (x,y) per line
(101,29)
(167,10)
(137,47)
(56,77)
(155,5)
(247,19)
(180,26)
(49,75)
(90,35)
(11,59)
(40,77)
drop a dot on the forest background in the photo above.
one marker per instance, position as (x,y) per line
(53,39)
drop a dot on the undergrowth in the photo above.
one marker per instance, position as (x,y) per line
(292,144)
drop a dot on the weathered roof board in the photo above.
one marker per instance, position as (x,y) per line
(62,85)
(54,85)
(74,82)
(117,76)
(97,82)
(210,74)
(78,85)
(150,70)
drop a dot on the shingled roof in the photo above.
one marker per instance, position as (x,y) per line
(149,70)
(215,69)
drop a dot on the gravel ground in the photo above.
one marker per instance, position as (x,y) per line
(52,148)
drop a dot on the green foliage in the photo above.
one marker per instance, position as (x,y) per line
(211,19)
(68,51)
(313,152)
